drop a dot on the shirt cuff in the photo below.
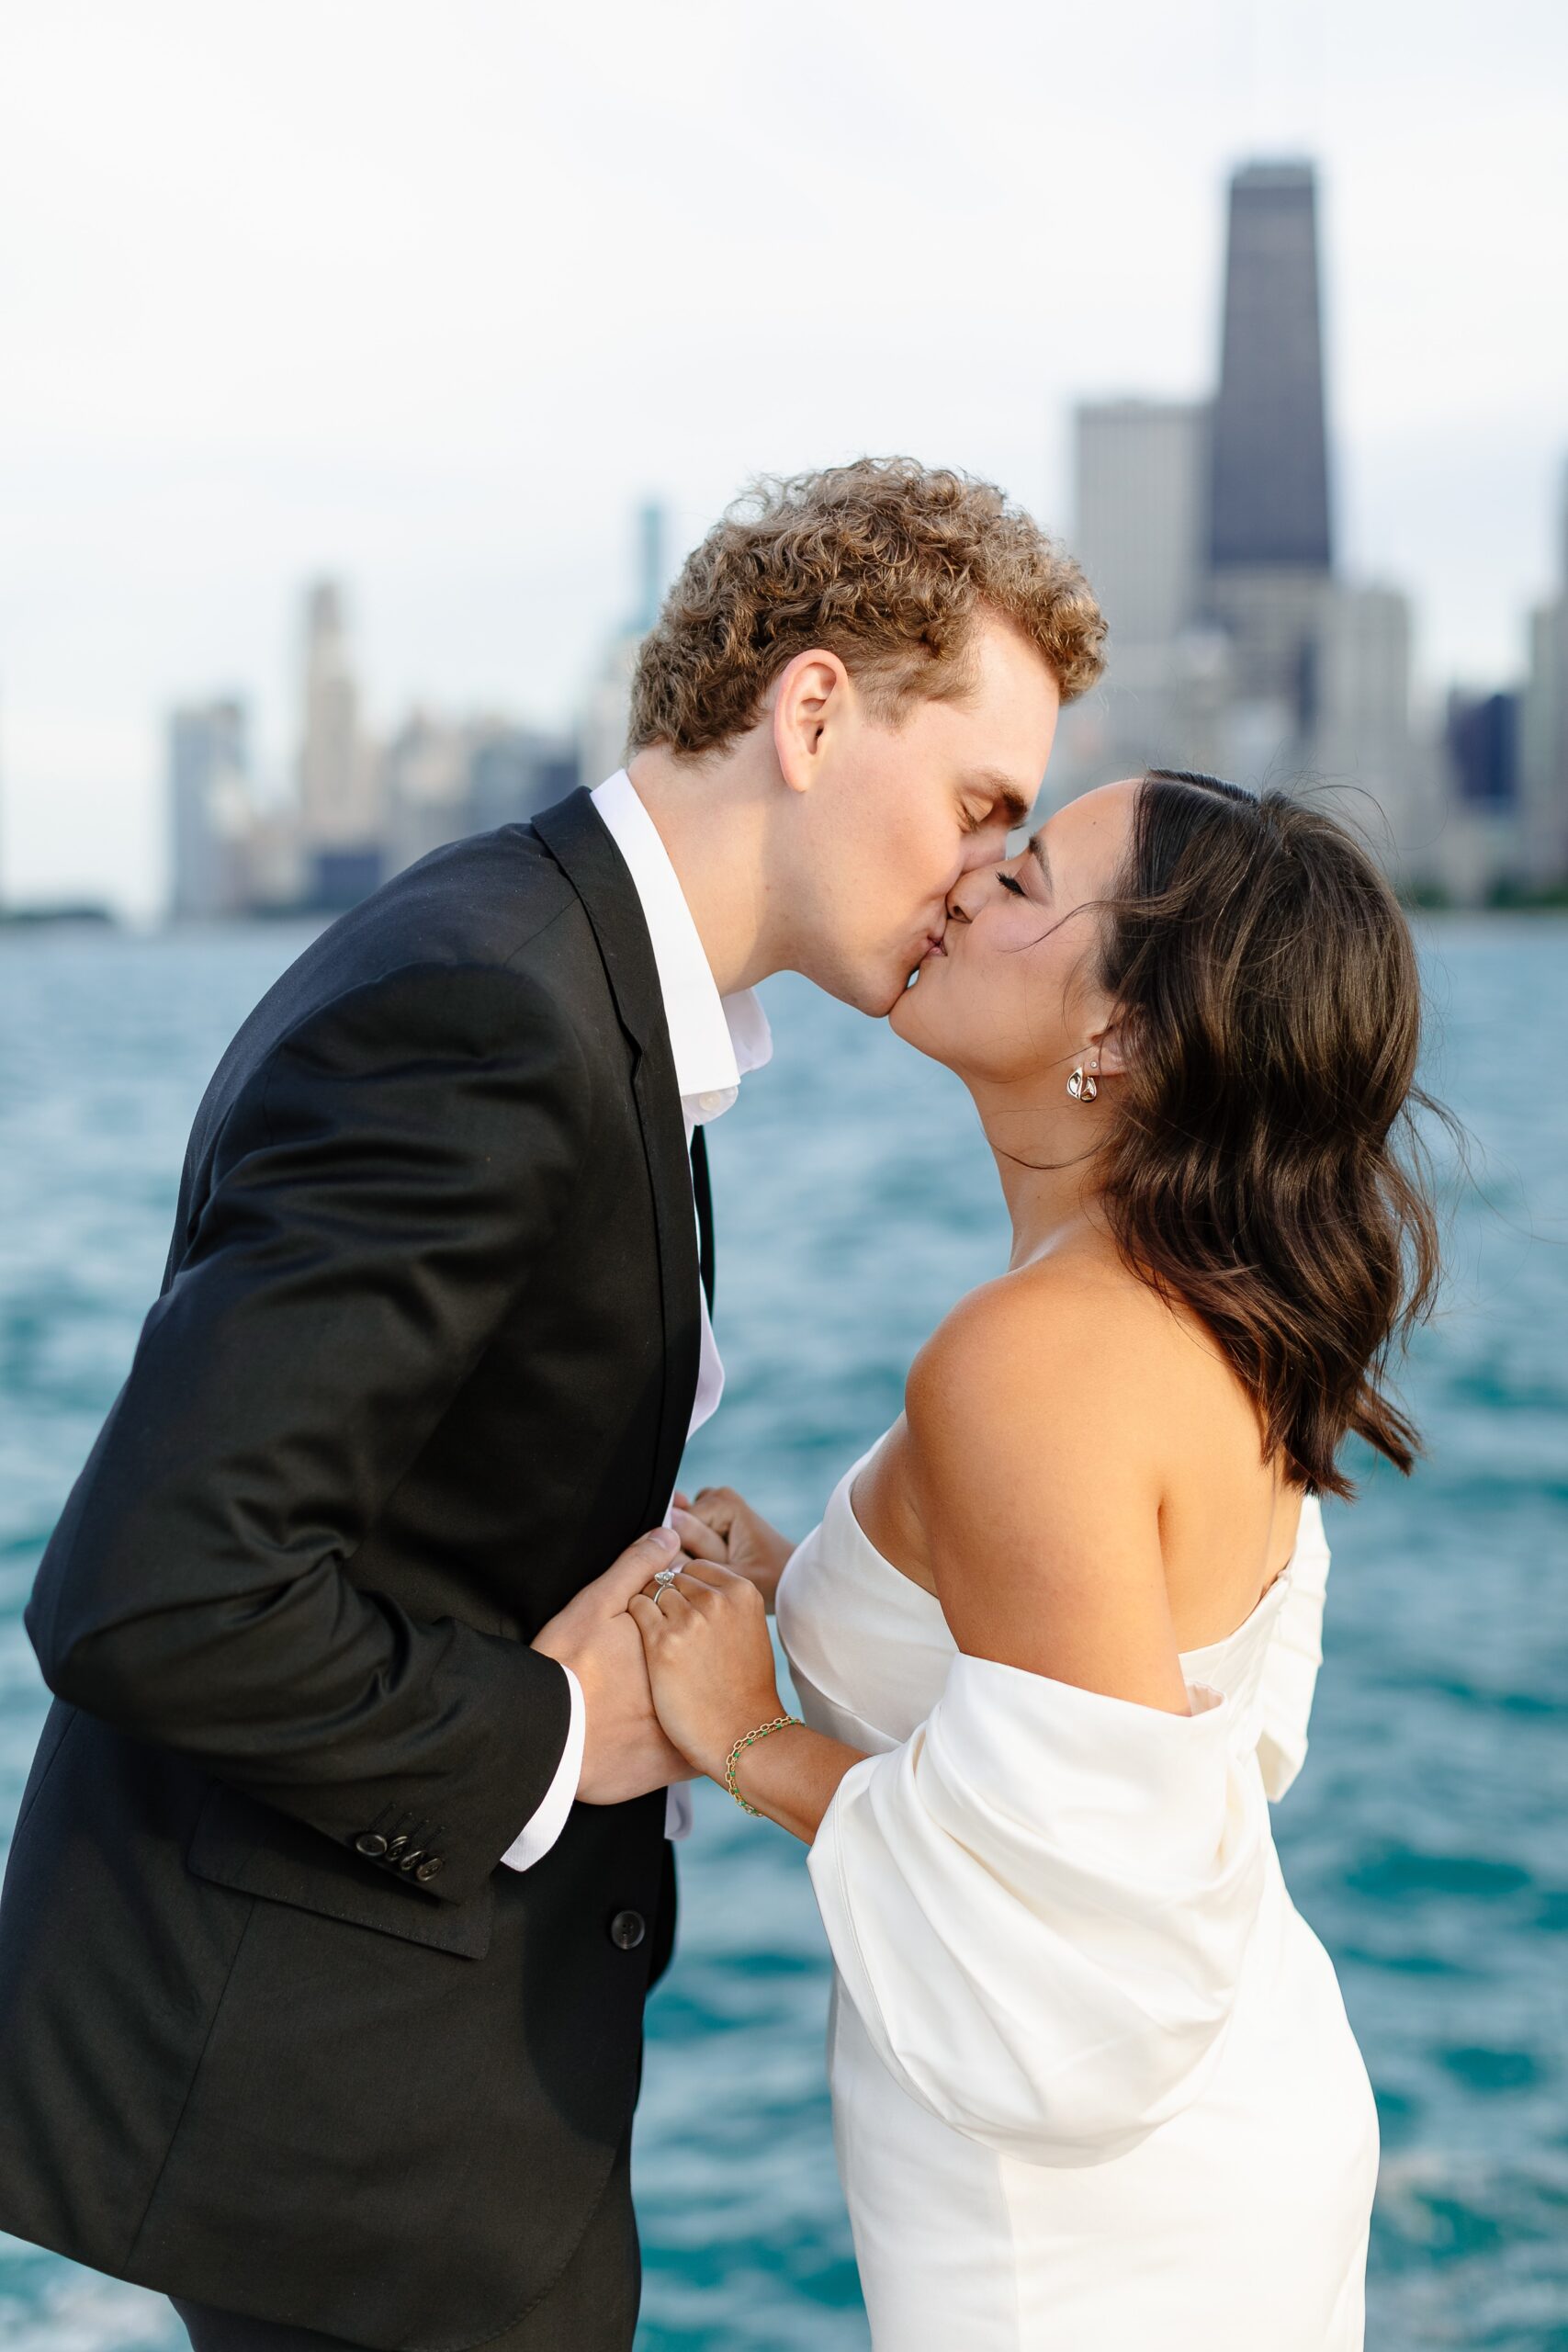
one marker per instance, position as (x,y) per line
(539,1834)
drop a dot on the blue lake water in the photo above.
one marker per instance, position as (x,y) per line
(1426,1839)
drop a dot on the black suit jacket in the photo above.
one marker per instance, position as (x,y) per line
(275,2031)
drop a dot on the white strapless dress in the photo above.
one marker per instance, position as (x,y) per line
(1094,2088)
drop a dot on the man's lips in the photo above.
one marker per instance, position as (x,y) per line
(934,946)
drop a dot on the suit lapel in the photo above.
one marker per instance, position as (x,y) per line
(580,844)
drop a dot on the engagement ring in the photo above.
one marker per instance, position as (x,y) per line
(665,1576)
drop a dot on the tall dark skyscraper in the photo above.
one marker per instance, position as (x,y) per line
(1269,489)
(1269,544)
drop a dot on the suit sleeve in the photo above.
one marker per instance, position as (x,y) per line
(385,1191)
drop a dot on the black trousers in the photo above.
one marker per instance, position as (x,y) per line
(592,2306)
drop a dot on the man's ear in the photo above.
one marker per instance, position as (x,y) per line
(809,694)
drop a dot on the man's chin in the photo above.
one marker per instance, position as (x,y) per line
(879,999)
(906,989)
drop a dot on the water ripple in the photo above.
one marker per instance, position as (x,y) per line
(1424,1840)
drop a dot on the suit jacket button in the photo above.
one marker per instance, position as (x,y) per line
(406,1861)
(627,1929)
(369,1842)
(428,1868)
(396,1844)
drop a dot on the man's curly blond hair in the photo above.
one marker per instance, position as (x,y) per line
(884,562)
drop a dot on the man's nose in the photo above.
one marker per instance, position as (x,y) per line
(987,847)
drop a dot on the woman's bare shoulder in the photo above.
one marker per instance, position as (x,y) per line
(1062,1335)
(1039,1465)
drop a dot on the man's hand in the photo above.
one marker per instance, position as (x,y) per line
(625,1752)
(721,1526)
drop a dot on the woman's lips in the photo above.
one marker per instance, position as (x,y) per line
(933,947)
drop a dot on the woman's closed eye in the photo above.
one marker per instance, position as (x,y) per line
(1010,882)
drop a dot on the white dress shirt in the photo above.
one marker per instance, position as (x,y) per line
(714,1040)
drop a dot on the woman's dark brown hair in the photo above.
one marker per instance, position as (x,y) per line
(1263,1167)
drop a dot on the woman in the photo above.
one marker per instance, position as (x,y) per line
(1093,2083)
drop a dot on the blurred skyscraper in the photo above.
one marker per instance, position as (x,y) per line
(361,810)
(424,788)
(1543,728)
(602,735)
(1141,472)
(339,774)
(1141,468)
(209,809)
(1205,529)
(441,778)
(1482,737)
(1363,728)
(515,770)
(1269,540)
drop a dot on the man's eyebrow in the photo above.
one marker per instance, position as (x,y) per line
(1015,808)
(1037,851)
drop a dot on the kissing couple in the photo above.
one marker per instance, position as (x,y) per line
(345,1863)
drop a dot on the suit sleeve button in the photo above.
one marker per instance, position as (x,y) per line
(627,1929)
(370,1841)
(428,1868)
(395,1845)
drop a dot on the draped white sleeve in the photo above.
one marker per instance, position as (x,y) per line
(1294,1654)
(1041,1903)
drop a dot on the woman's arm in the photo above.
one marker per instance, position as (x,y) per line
(793,1776)
(711,1665)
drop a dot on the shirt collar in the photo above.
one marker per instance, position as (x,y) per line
(713,1040)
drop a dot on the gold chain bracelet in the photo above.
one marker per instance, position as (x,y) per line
(749,1740)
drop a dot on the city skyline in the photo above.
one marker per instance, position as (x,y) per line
(1236,643)
(424,327)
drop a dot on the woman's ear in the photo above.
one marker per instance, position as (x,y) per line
(1107,1052)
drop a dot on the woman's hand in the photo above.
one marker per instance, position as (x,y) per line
(721,1526)
(709,1660)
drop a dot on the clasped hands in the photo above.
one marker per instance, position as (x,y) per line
(673,1674)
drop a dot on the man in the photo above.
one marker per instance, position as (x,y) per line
(339,1877)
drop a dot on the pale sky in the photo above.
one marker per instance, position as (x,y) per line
(431,296)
